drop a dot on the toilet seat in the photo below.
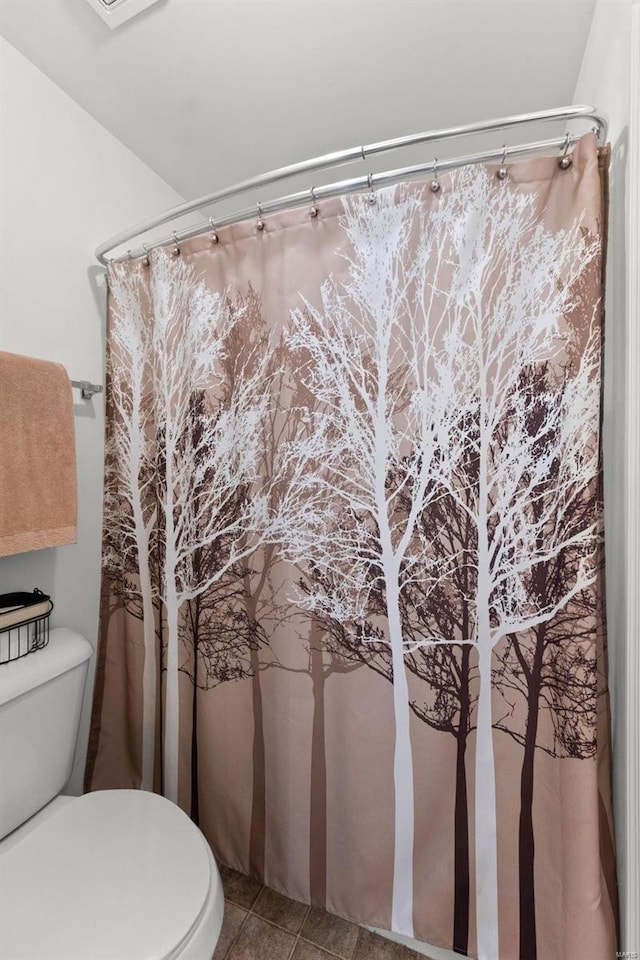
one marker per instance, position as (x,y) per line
(112,874)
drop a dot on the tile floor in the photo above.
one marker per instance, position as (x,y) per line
(260,924)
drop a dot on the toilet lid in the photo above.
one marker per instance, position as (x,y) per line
(114,874)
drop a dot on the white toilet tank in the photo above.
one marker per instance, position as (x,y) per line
(40,702)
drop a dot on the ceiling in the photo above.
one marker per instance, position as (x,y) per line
(208,92)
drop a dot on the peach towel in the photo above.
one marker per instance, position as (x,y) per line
(38,503)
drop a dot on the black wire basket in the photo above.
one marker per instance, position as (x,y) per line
(24,624)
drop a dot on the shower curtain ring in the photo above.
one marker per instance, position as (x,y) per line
(259,222)
(313,209)
(145,259)
(372,197)
(214,232)
(502,173)
(176,249)
(565,160)
(434,186)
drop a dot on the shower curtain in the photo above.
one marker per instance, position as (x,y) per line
(352,603)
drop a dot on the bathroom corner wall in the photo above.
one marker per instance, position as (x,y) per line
(66,184)
(610,78)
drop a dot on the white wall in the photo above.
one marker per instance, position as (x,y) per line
(66,184)
(609,79)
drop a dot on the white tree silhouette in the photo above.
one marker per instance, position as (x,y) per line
(512,282)
(212,448)
(130,505)
(421,352)
(367,359)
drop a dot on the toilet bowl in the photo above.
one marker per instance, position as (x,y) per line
(111,875)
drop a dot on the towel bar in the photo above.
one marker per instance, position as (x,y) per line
(87,390)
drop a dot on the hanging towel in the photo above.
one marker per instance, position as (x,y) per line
(37,456)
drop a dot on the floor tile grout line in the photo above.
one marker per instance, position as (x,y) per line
(297,939)
(293,948)
(272,923)
(330,953)
(297,936)
(240,928)
(249,911)
(307,908)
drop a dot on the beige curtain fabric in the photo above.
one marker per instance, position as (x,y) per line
(352,606)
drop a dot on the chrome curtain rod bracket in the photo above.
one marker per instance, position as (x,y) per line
(348,156)
(87,390)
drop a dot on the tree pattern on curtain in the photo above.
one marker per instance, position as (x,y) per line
(395,481)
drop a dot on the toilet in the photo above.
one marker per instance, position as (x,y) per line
(111,875)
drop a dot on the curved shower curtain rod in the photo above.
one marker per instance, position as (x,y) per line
(358,183)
